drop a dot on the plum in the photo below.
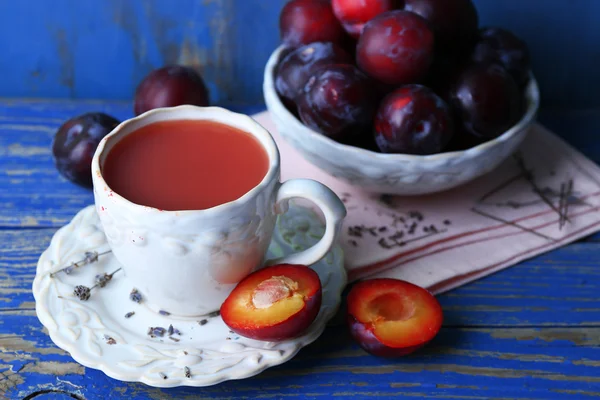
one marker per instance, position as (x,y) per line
(354,14)
(297,66)
(306,21)
(169,87)
(413,120)
(391,317)
(487,100)
(274,303)
(396,47)
(505,48)
(339,102)
(75,143)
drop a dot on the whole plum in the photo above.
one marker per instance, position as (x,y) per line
(413,120)
(354,14)
(396,47)
(505,48)
(338,101)
(75,143)
(169,87)
(306,21)
(297,66)
(487,100)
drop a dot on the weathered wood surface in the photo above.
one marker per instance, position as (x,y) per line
(529,332)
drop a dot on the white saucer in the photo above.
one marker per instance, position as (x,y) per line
(211,352)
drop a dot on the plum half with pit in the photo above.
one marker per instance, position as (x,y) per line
(354,14)
(75,143)
(396,47)
(413,120)
(274,303)
(297,66)
(306,21)
(487,100)
(170,86)
(455,22)
(505,48)
(391,317)
(338,101)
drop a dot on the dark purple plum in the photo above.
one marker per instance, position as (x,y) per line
(413,120)
(307,21)
(294,70)
(454,22)
(75,143)
(354,14)
(396,47)
(500,46)
(170,86)
(338,101)
(487,100)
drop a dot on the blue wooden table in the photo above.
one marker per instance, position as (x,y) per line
(529,332)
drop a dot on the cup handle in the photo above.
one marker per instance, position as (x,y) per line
(330,204)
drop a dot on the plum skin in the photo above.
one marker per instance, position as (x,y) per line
(413,120)
(396,47)
(487,100)
(367,340)
(298,65)
(505,48)
(306,21)
(338,102)
(454,22)
(75,143)
(354,14)
(170,86)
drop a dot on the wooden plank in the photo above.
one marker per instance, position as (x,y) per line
(523,363)
(529,332)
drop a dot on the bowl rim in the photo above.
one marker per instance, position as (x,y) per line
(532,95)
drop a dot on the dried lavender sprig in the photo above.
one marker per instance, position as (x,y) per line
(83,292)
(90,257)
(155,331)
(109,340)
(187,371)
(135,296)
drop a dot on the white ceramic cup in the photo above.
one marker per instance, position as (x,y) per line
(187,262)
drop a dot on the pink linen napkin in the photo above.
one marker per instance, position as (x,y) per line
(543,197)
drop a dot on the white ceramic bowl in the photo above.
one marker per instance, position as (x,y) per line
(400,174)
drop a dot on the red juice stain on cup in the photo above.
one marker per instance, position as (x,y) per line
(185,165)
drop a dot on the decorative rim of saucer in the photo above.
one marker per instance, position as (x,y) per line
(122,349)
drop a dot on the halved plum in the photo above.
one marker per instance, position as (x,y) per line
(274,303)
(391,317)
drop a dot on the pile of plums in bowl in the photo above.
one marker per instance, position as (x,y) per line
(400,97)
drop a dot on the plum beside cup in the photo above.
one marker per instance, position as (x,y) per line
(187,262)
